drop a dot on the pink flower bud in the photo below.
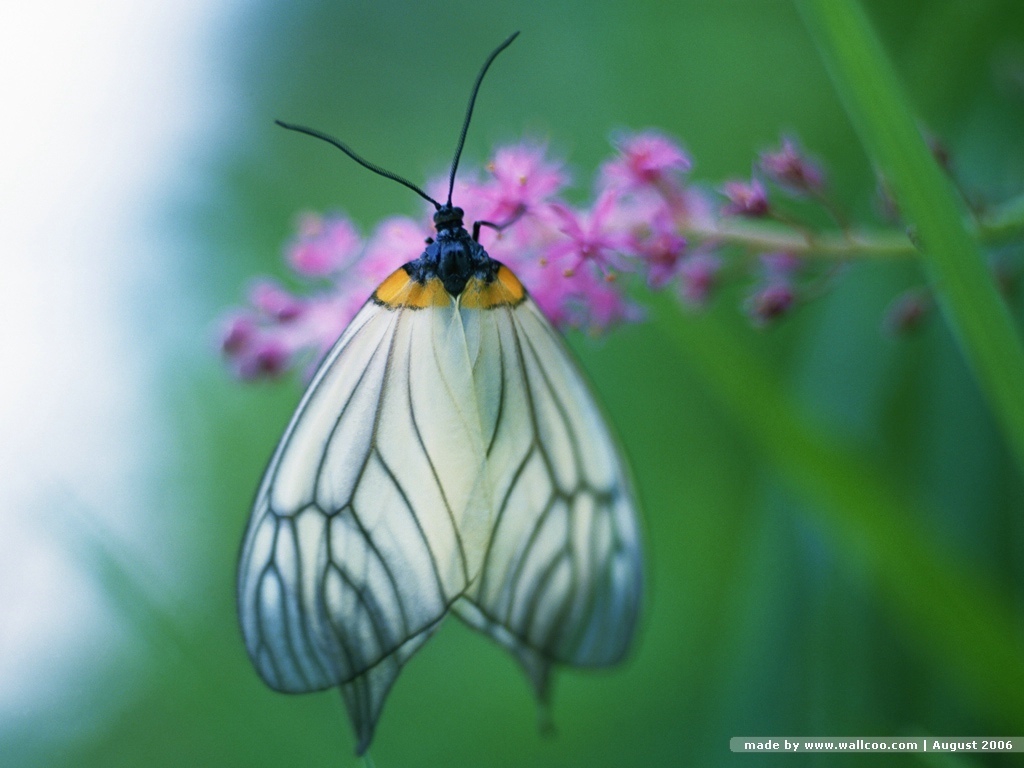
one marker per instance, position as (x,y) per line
(698,277)
(239,332)
(789,168)
(745,199)
(906,312)
(270,359)
(274,301)
(770,302)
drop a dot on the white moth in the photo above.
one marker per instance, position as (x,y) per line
(447,457)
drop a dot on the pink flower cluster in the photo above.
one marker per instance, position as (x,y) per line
(571,259)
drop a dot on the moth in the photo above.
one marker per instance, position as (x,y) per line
(448,457)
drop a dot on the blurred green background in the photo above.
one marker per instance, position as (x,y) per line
(761,616)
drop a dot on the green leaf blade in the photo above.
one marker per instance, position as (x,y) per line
(952,258)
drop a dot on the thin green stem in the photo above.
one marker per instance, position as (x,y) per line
(773,236)
(1004,224)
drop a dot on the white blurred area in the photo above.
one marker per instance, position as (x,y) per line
(100,103)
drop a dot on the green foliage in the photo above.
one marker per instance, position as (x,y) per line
(951,255)
(870,525)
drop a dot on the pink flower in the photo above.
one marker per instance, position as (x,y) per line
(552,291)
(654,240)
(647,158)
(274,301)
(693,207)
(258,344)
(585,299)
(324,245)
(770,301)
(326,317)
(661,254)
(523,179)
(698,274)
(590,236)
(775,293)
(237,333)
(268,358)
(250,350)
(566,257)
(745,199)
(604,305)
(524,242)
(394,242)
(791,169)
(472,196)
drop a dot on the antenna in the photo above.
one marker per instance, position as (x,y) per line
(469,111)
(365,163)
(394,176)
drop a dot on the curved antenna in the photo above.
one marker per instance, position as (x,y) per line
(469,111)
(365,163)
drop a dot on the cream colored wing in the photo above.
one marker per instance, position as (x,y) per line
(354,550)
(560,576)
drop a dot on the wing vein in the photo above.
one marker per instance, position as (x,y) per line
(293,428)
(419,526)
(501,396)
(433,469)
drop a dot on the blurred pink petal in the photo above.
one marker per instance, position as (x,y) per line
(746,198)
(272,300)
(523,178)
(645,158)
(770,301)
(324,245)
(698,274)
(591,235)
(791,169)
(394,242)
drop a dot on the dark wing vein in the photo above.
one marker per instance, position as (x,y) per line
(433,468)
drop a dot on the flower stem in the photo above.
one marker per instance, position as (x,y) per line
(1003,224)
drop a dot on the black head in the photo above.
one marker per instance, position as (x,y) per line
(448,217)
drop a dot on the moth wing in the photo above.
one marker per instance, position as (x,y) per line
(352,555)
(561,575)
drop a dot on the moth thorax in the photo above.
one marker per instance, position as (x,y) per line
(455,263)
